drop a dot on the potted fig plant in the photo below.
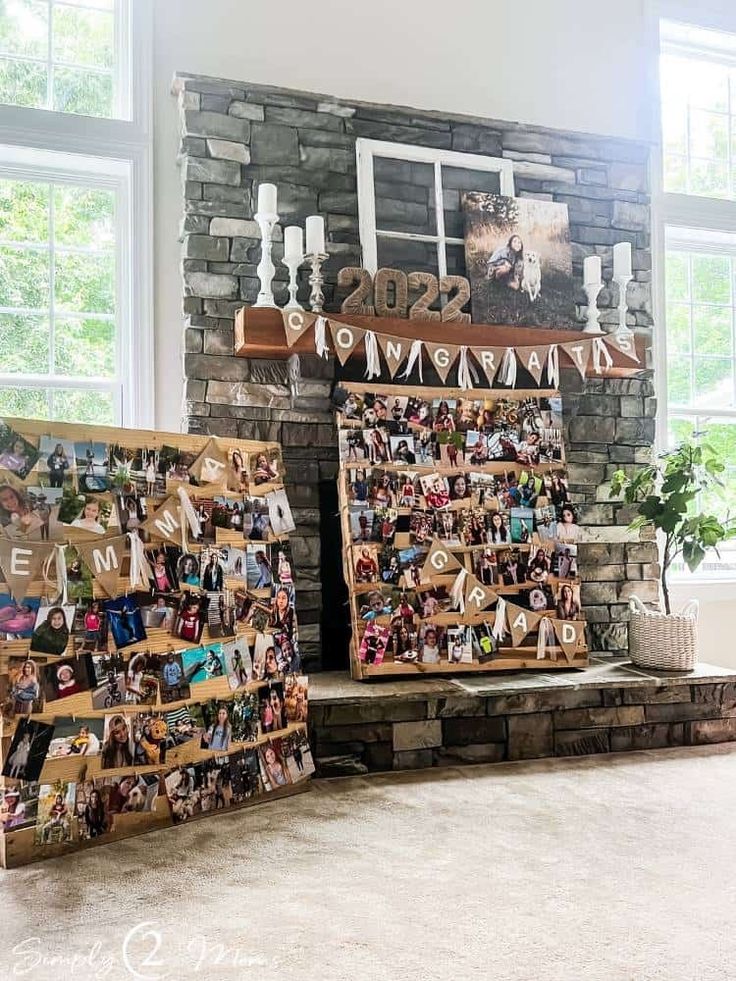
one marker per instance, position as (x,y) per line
(668,494)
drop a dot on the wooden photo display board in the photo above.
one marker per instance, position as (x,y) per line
(460,538)
(149,655)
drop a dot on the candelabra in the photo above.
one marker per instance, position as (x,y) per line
(316,280)
(266,223)
(622,280)
(292,263)
(592,325)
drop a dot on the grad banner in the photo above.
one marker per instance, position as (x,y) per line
(477,596)
(296,323)
(20,561)
(520,621)
(166,521)
(442,357)
(533,360)
(579,353)
(439,561)
(105,560)
(345,338)
(210,467)
(395,351)
(569,634)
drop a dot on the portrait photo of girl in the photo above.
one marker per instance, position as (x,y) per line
(24,688)
(273,767)
(57,457)
(94,516)
(16,453)
(53,627)
(17,517)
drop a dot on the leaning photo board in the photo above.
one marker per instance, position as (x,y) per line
(460,536)
(150,671)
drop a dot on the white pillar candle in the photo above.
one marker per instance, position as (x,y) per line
(592,270)
(622,260)
(267,199)
(315,235)
(293,242)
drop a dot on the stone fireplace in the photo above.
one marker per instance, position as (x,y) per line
(235,135)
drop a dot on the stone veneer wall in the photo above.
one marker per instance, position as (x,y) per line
(234,135)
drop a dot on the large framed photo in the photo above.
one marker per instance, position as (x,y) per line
(519,261)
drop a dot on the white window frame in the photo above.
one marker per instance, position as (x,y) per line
(365,153)
(683,221)
(118,151)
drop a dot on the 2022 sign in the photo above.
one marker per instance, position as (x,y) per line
(397,284)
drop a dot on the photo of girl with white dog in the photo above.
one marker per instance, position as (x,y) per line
(519,261)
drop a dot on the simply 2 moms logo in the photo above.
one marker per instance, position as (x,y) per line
(145,954)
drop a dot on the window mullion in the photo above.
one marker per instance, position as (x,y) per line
(50,59)
(52,279)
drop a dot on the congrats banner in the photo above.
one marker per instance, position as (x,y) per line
(496,363)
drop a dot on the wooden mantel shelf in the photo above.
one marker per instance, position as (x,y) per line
(259,333)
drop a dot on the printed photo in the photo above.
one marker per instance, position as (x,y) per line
(218,730)
(90,627)
(28,750)
(377,445)
(30,513)
(266,468)
(23,696)
(283,614)
(76,737)
(117,745)
(256,520)
(566,560)
(184,723)
(203,663)
(282,564)
(57,462)
(460,645)
(125,621)
(402,449)
(86,512)
(221,614)
(529,488)
(374,644)
(150,738)
(237,471)
(182,793)
(17,454)
(567,605)
(365,563)
(296,697)
(567,529)
(70,676)
(404,642)
(265,663)
(172,684)
(17,620)
(436,491)
(191,617)
(299,760)
(92,819)
(446,527)
(279,513)
(141,679)
(92,467)
(522,525)
(539,568)
(485,566)
(244,717)
(238,663)
(431,643)
(52,630)
(272,708)
(545,524)
(158,611)
(519,260)
(246,775)
(18,807)
(352,447)
(55,812)
(128,794)
(108,689)
(273,766)
(187,570)
(512,568)
(538,600)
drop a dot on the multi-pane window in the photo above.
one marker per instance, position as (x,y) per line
(698,348)
(409,203)
(60,55)
(698,84)
(58,301)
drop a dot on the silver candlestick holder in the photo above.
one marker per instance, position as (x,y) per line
(592,325)
(316,281)
(292,263)
(266,268)
(623,329)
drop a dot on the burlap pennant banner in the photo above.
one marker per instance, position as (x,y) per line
(477,596)
(210,467)
(166,522)
(520,622)
(395,351)
(533,360)
(569,634)
(623,343)
(296,322)
(489,358)
(105,560)
(442,357)
(20,562)
(440,561)
(345,338)
(579,353)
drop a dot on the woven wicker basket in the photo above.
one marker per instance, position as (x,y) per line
(663,641)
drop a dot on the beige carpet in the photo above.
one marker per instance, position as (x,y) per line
(617,867)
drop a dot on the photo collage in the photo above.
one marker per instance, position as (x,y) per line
(196,661)
(482,477)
